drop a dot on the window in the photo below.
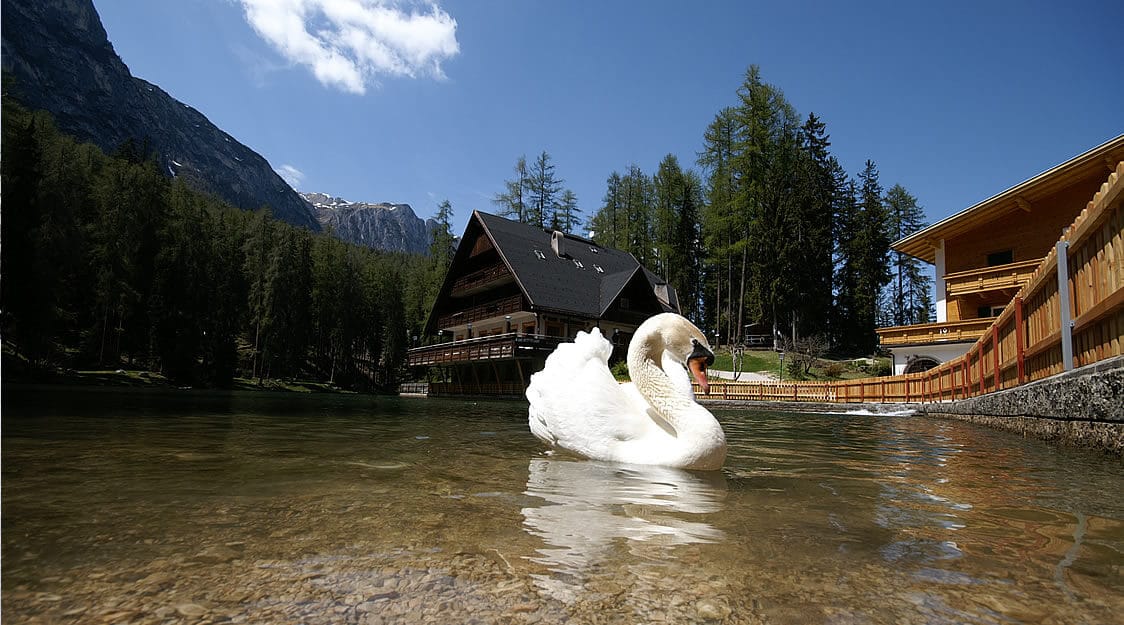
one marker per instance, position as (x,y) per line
(625,304)
(988,311)
(594,250)
(1000,258)
(578,264)
(598,268)
(540,254)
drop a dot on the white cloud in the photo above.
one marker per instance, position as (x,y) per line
(348,44)
(291,175)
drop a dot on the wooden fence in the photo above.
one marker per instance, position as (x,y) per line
(1045,330)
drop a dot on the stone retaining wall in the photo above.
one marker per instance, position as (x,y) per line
(1083,407)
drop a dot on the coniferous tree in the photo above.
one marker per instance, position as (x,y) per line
(566,215)
(25,303)
(667,184)
(909,299)
(544,188)
(720,229)
(685,261)
(869,251)
(636,198)
(811,229)
(512,201)
(607,223)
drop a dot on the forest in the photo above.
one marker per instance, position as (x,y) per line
(108,263)
(770,233)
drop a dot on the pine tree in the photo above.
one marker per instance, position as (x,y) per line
(566,216)
(26,305)
(606,223)
(812,218)
(909,300)
(870,251)
(636,204)
(667,184)
(720,224)
(544,188)
(512,202)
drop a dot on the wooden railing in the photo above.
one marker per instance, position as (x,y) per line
(947,331)
(498,347)
(990,278)
(488,310)
(1030,340)
(487,275)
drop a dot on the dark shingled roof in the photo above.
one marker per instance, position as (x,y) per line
(571,283)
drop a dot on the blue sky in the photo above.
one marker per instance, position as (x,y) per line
(410,102)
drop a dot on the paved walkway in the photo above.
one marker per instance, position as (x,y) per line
(746,376)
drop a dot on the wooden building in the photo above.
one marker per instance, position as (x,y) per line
(515,291)
(985,253)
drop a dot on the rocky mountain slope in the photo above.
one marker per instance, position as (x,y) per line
(59,59)
(382,226)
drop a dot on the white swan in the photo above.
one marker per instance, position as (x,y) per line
(577,405)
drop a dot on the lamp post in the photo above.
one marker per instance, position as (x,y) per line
(507,323)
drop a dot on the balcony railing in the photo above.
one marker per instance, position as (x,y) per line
(486,348)
(488,310)
(947,332)
(1010,276)
(476,279)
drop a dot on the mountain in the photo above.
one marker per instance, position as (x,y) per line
(59,59)
(382,226)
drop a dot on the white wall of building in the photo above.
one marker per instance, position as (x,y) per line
(942,352)
(938,282)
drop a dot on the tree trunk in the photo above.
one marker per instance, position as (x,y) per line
(741,298)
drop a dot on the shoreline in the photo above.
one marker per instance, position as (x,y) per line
(122,379)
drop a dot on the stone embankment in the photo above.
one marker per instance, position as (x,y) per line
(1083,407)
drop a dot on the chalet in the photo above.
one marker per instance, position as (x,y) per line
(515,291)
(985,253)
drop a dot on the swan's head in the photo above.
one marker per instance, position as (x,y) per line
(686,342)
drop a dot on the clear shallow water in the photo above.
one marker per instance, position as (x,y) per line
(126,506)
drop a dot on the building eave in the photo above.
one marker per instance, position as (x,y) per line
(924,243)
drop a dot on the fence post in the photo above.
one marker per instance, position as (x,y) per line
(1019,340)
(979,366)
(995,353)
(1063,304)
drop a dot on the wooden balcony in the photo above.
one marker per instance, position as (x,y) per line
(928,333)
(479,280)
(1011,276)
(496,308)
(487,348)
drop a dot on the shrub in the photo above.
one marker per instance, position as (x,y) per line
(834,370)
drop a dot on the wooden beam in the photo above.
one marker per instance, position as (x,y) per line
(1022,203)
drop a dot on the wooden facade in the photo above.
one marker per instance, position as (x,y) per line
(514,292)
(986,253)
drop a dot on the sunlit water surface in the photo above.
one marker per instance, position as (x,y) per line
(144,507)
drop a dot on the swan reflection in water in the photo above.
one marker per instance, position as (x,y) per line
(591,508)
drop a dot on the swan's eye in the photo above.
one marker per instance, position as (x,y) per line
(701,353)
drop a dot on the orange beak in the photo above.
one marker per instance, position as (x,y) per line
(698,369)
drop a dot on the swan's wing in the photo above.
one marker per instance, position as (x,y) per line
(576,404)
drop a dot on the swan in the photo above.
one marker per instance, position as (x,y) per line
(577,405)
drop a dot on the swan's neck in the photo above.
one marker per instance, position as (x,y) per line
(645,366)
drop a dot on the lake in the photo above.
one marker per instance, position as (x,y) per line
(132,506)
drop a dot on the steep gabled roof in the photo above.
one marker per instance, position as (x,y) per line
(585,280)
